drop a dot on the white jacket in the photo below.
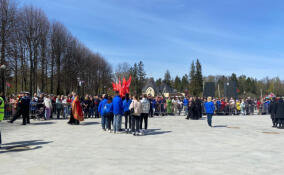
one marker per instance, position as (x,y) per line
(136,105)
(145,106)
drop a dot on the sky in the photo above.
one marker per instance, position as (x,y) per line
(227,36)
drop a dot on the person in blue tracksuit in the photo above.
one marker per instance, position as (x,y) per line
(209,109)
(108,112)
(126,103)
(185,106)
(117,112)
(101,111)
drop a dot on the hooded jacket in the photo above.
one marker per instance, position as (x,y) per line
(145,106)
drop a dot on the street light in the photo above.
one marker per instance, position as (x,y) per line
(2,68)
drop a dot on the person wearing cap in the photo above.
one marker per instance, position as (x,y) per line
(209,109)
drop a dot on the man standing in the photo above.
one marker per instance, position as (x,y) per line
(117,112)
(145,112)
(2,113)
(185,106)
(101,111)
(209,108)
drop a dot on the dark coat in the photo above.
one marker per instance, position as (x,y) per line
(279,108)
(272,109)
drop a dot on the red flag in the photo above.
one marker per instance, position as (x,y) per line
(114,86)
(128,83)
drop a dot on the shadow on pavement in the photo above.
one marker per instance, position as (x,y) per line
(22,146)
(220,126)
(43,123)
(155,132)
(89,123)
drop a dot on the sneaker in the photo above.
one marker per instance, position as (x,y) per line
(109,131)
(141,133)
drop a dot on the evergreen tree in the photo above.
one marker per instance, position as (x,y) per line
(184,83)
(198,78)
(177,84)
(159,82)
(141,77)
(167,78)
(192,86)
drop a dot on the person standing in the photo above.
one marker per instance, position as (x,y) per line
(117,112)
(48,107)
(2,114)
(108,112)
(135,108)
(58,103)
(101,111)
(209,109)
(77,111)
(279,113)
(185,106)
(272,111)
(145,104)
(126,104)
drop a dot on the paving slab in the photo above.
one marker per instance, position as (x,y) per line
(245,145)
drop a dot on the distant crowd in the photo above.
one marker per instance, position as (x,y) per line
(45,106)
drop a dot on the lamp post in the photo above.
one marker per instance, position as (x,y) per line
(3,68)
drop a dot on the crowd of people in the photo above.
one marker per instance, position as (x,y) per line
(135,110)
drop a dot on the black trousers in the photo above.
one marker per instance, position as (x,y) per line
(127,119)
(58,112)
(26,116)
(135,123)
(109,118)
(144,117)
(151,112)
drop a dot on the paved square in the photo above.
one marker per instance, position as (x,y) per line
(236,146)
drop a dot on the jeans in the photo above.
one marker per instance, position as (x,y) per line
(66,112)
(185,110)
(47,113)
(103,121)
(116,122)
(209,119)
(91,112)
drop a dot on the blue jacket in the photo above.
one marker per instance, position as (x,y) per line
(101,106)
(126,105)
(209,107)
(117,105)
(185,102)
(107,108)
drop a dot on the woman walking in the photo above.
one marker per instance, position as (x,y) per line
(209,109)
(135,108)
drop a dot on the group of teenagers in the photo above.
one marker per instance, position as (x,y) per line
(135,110)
